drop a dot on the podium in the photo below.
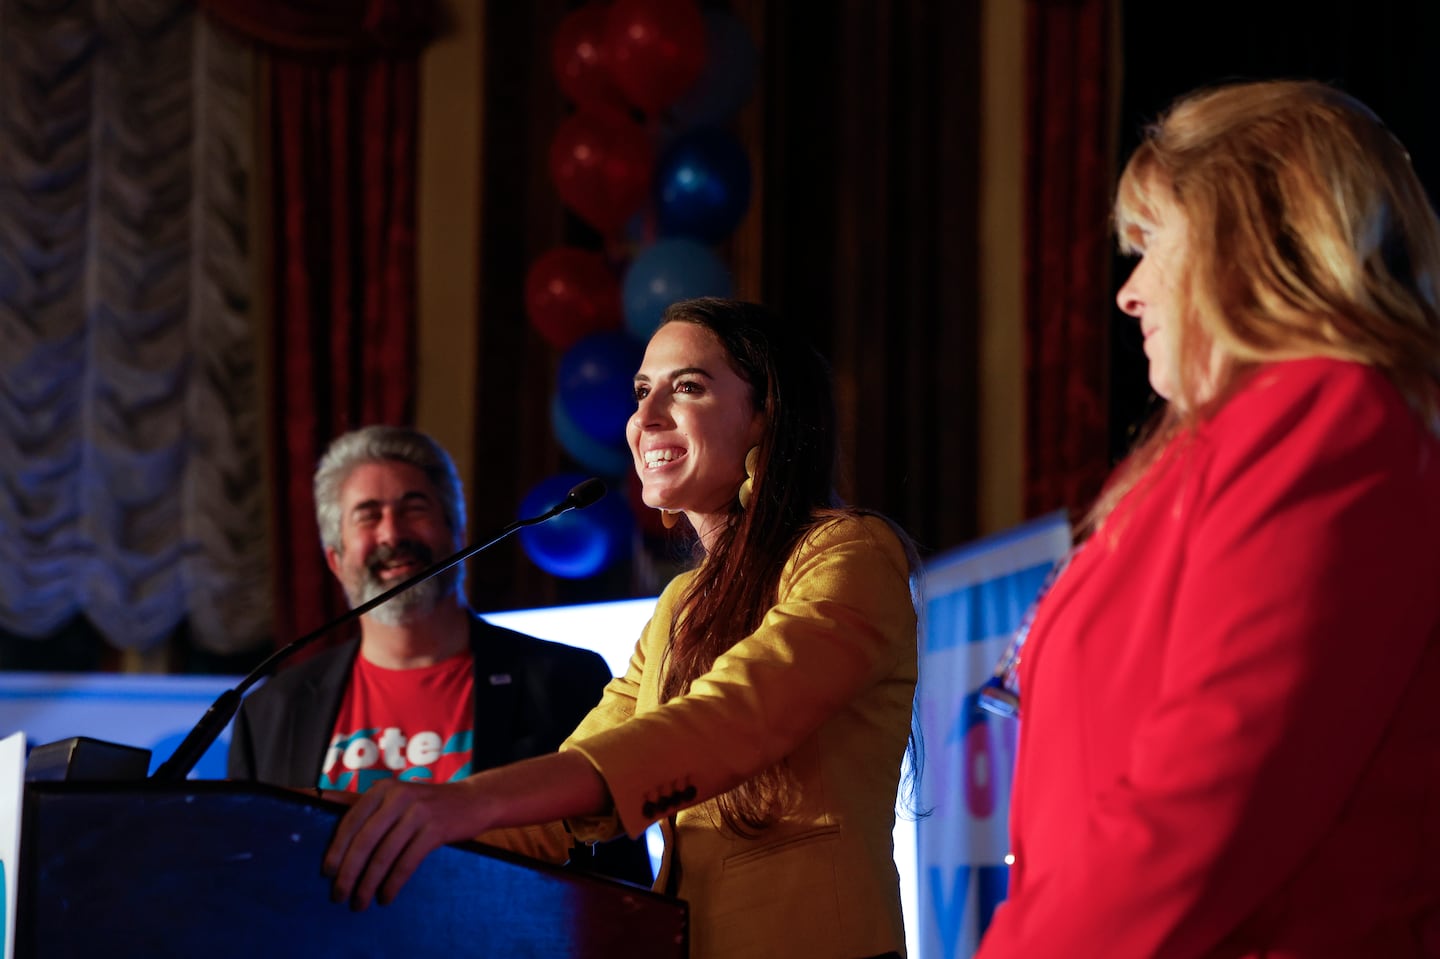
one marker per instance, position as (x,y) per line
(219,869)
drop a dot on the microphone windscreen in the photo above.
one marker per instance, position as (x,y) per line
(586,493)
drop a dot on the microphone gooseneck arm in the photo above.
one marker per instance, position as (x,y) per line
(208,729)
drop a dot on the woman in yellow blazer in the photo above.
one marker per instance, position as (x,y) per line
(765,713)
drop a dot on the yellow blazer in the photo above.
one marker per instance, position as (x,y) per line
(827,683)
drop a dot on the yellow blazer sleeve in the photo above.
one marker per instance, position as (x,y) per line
(843,618)
(617,704)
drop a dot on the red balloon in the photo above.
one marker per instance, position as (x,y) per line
(571,293)
(656,48)
(601,162)
(581,60)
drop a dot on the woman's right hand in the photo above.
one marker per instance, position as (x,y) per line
(394,825)
(391,828)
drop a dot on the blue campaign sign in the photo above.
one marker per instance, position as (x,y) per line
(975,598)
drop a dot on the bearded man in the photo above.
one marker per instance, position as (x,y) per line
(429,692)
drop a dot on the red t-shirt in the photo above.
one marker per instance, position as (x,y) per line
(412,724)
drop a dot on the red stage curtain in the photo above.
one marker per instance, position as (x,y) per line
(1069,170)
(343,27)
(343,113)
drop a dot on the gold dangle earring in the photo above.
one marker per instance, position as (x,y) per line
(747,488)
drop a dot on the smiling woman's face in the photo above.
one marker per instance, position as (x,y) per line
(694,421)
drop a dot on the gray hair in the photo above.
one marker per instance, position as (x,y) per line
(375,444)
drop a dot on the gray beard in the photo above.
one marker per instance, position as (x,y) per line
(415,603)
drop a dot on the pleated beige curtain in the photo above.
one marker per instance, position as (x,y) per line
(130,437)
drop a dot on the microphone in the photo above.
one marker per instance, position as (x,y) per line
(188,753)
(584,494)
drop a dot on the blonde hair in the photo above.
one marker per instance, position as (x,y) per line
(1309,235)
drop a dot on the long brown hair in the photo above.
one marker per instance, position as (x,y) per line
(737,581)
(1309,235)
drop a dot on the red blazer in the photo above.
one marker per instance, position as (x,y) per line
(1230,737)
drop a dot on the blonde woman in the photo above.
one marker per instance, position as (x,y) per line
(1230,700)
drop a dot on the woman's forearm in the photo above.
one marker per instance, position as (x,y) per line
(542,789)
(394,825)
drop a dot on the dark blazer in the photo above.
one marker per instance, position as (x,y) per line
(529,695)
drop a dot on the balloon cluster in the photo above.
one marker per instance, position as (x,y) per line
(647,161)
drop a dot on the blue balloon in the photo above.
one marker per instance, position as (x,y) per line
(597,384)
(670,270)
(702,185)
(731,65)
(579,543)
(602,458)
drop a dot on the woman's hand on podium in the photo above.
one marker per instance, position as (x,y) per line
(390,828)
(394,825)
